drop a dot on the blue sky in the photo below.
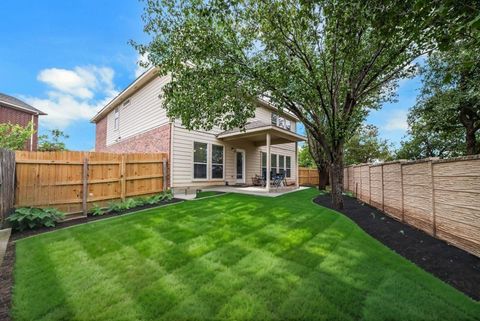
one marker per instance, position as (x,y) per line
(68,58)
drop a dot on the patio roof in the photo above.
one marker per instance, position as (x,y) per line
(256,132)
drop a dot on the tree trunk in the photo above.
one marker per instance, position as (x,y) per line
(471,141)
(322,175)
(336,179)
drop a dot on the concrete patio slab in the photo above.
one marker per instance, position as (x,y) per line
(255,190)
(4,237)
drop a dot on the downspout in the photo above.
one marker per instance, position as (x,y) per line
(31,135)
(171,154)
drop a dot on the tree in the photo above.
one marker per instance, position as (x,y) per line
(13,136)
(366,147)
(423,142)
(327,62)
(305,158)
(449,102)
(52,141)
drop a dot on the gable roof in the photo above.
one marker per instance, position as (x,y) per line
(16,103)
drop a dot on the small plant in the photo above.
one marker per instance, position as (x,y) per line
(115,206)
(97,210)
(141,201)
(30,218)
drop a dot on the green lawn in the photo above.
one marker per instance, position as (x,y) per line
(232,257)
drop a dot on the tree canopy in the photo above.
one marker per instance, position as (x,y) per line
(445,121)
(14,136)
(366,147)
(52,141)
(328,62)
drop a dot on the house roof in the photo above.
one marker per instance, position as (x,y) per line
(16,103)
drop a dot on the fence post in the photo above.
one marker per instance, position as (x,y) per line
(433,200)
(164,173)
(370,184)
(85,186)
(383,193)
(401,191)
(123,185)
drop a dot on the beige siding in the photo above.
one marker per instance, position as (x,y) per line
(182,155)
(143,113)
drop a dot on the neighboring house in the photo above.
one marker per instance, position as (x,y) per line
(15,111)
(135,121)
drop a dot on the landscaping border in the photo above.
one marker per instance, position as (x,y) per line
(452,265)
(77,221)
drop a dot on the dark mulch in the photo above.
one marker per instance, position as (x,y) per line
(18,235)
(6,278)
(449,263)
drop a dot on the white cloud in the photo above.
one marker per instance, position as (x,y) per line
(140,69)
(397,121)
(74,95)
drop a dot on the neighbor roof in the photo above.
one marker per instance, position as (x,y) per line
(16,103)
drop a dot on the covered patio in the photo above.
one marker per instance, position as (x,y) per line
(261,134)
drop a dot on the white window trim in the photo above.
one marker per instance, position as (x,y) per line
(286,156)
(211,164)
(193,162)
(116,118)
(278,163)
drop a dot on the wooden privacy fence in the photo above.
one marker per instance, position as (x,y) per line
(308,176)
(7,183)
(73,181)
(440,197)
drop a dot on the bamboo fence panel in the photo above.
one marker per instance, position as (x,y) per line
(74,181)
(308,176)
(7,183)
(440,197)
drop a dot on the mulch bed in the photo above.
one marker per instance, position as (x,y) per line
(6,281)
(16,235)
(454,266)
(6,269)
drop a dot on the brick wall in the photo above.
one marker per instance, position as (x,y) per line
(152,141)
(14,116)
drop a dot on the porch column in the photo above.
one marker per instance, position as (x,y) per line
(296,165)
(267,183)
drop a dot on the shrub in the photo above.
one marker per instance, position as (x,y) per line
(30,218)
(97,210)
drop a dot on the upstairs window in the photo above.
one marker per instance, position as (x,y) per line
(200,160)
(116,121)
(281,122)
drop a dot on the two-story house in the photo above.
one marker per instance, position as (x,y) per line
(135,121)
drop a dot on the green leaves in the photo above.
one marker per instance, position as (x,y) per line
(13,136)
(30,218)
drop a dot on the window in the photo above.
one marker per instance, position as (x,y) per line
(264,165)
(288,124)
(281,164)
(281,122)
(273,165)
(274,119)
(217,161)
(200,160)
(116,121)
(288,167)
